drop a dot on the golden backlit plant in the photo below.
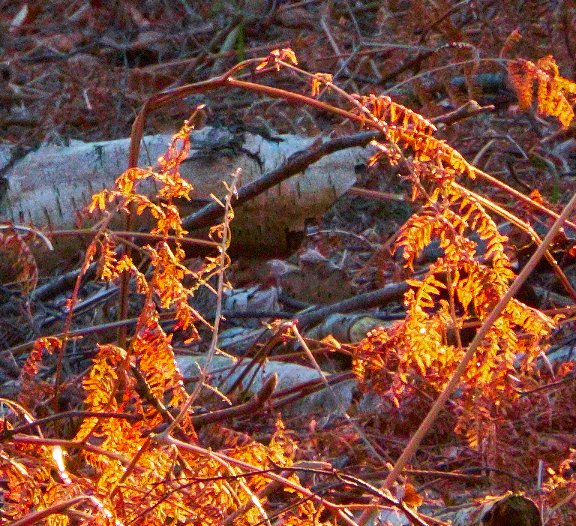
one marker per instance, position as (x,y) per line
(123,475)
(135,456)
(465,283)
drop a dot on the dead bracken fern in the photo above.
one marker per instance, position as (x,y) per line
(464,284)
(122,475)
(123,467)
(15,248)
(555,95)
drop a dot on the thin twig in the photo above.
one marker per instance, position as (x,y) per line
(343,410)
(225,241)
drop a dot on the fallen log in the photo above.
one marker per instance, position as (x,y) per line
(50,188)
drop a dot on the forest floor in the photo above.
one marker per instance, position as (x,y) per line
(81,71)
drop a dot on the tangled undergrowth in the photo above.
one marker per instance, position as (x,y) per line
(134,454)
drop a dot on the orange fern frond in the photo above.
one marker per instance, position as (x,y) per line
(556,95)
(18,248)
(523,74)
(32,389)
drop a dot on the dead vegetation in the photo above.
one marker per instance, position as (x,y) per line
(168,376)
